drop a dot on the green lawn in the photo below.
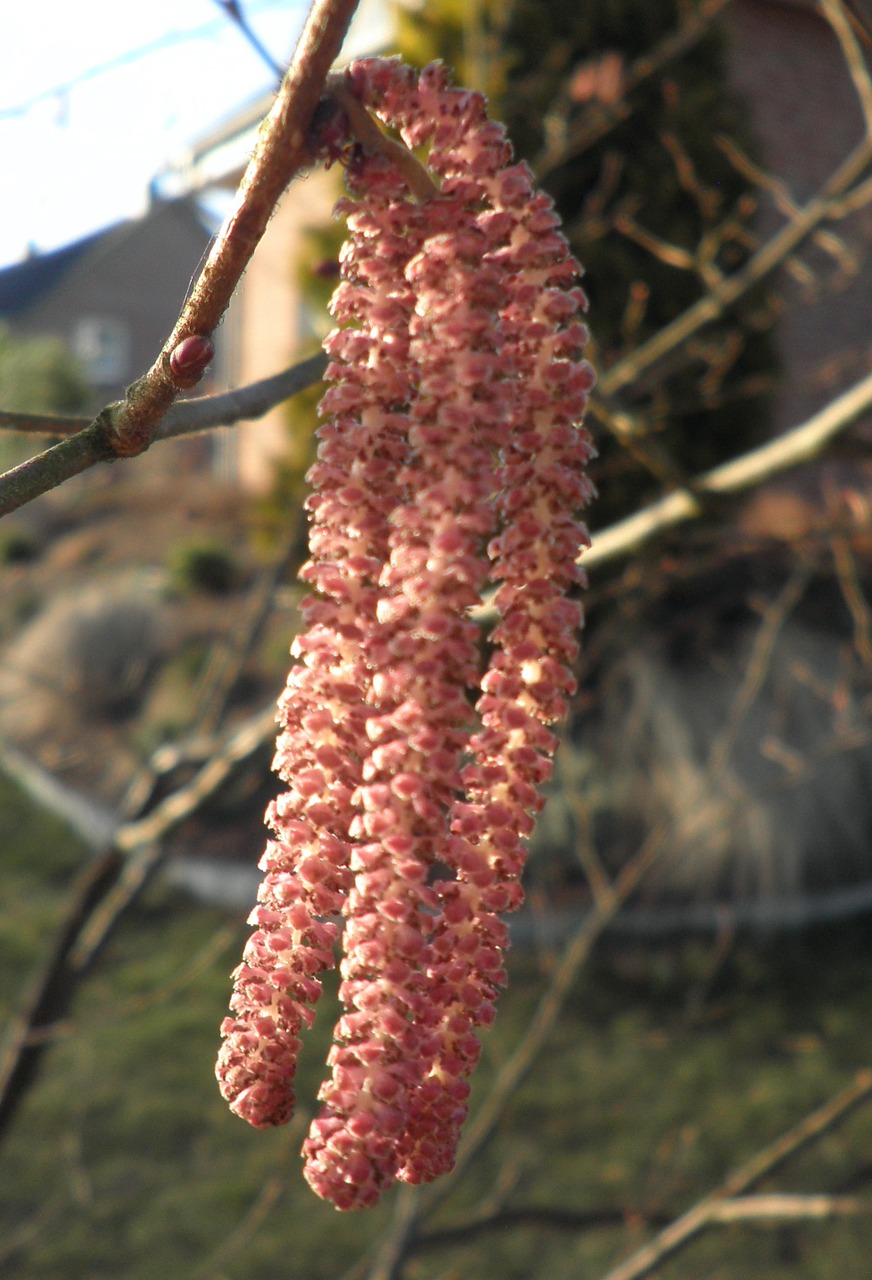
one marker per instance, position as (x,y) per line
(662,1077)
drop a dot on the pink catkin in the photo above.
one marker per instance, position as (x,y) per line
(323,710)
(451,459)
(426,654)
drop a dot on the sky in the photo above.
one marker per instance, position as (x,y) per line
(97,97)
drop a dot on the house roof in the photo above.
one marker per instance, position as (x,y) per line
(24,283)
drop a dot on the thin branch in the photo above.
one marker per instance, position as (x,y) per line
(765,1162)
(281,151)
(776,1208)
(105,891)
(519,1216)
(860,21)
(49,469)
(844,29)
(199,414)
(802,444)
(42,424)
(721,297)
(128,428)
(235,14)
(848,578)
(229,656)
(758,665)
(599,119)
(251,401)
(783,1207)
(366,131)
(785,203)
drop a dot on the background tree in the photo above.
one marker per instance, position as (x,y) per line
(620,135)
(37,375)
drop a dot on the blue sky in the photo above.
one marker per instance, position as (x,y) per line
(78,143)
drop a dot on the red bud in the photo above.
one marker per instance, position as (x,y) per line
(189,361)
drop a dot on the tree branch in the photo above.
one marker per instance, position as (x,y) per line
(599,119)
(827,204)
(713,1207)
(251,401)
(800,445)
(129,427)
(107,888)
(200,414)
(280,153)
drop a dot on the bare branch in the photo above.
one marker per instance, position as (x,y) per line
(791,1208)
(49,469)
(251,401)
(106,889)
(235,14)
(800,445)
(599,119)
(722,296)
(843,27)
(200,414)
(41,424)
(128,428)
(281,151)
(682,1231)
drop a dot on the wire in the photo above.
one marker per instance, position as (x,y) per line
(235,14)
(168,40)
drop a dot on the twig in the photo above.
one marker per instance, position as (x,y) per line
(785,203)
(599,120)
(802,444)
(235,14)
(251,401)
(252,1220)
(49,469)
(721,297)
(844,29)
(682,1231)
(415,1204)
(520,1216)
(230,655)
(791,1208)
(759,664)
(105,891)
(41,424)
(281,151)
(366,131)
(200,414)
(128,428)
(848,578)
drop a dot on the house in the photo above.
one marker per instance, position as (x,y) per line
(113,296)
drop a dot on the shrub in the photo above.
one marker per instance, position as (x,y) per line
(204,565)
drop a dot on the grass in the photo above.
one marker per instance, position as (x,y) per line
(662,1076)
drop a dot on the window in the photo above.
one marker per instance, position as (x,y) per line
(102,346)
